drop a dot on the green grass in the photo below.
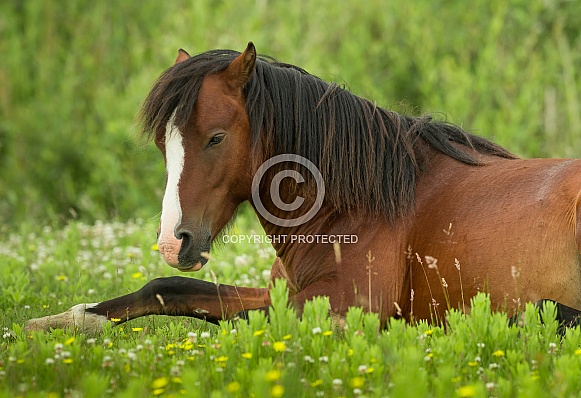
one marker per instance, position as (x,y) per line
(46,271)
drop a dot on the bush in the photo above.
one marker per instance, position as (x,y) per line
(72,76)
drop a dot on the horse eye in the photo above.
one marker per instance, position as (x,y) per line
(216,139)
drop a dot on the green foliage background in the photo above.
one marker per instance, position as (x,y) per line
(73,74)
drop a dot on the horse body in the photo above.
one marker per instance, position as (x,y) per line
(437,214)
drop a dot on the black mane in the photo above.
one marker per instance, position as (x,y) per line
(369,157)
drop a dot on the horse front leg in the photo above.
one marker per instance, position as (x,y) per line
(174,296)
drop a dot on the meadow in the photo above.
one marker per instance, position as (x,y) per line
(80,194)
(45,271)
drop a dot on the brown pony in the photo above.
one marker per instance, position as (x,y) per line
(401,215)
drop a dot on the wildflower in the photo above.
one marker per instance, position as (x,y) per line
(136,275)
(160,382)
(234,332)
(429,332)
(154,247)
(233,387)
(49,361)
(316,383)
(287,337)
(480,345)
(578,351)
(192,337)
(357,391)
(91,341)
(131,355)
(472,364)
(357,382)
(258,332)
(498,353)
(137,329)
(362,368)
(552,348)
(316,330)
(91,291)
(115,319)
(279,346)
(490,386)
(272,375)
(324,359)
(477,359)
(67,360)
(222,358)
(247,355)
(61,278)
(277,391)
(493,365)
(58,348)
(337,382)
(307,358)
(466,391)
(205,335)
(327,333)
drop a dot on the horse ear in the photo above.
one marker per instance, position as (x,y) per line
(239,71)
(182,56)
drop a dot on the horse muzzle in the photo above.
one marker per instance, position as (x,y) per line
(194,250)
(185,251)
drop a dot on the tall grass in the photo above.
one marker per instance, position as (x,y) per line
(72,76)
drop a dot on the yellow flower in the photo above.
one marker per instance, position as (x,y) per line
(369,370)
(61,278)
(137,329)
(277,391)
(350,352)
(466,391)
(287,337)
(69,341)
(472,364)
(247,355)
(160,383)
(258,332)
(176,380)
(498,353)
(233,387)
(136,275)
(327,333)
(115,319)
(316,383)
(578,351)
(279,346)
(67,360)
(456,379)
(272,375)
(223,358)
(21,361)
(357,382)
(429,332)
(158,391)
(154,247)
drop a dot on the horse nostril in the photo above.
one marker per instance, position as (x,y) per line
(187,241)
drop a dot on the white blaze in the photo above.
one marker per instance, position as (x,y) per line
(169,245)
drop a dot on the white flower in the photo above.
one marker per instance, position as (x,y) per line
(131,355)
(324,359)
(234,331)
(58,347)
(490,386)
(362,368)
(317,330)
(337,382)
(49,361)
(91,341)
(205,335)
